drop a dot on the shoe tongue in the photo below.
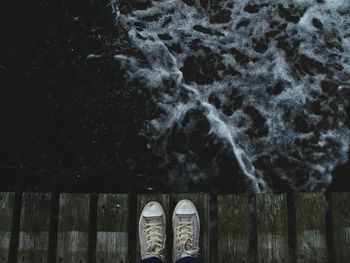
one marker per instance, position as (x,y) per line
(153,211)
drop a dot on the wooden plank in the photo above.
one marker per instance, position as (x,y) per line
(34,230)
(272,228)
(340,209)
(142,200)
(233,238)
(112,228)
(201,201)
(73,228)
(7,201)
(310,210)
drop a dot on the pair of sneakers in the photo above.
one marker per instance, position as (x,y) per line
(186,228)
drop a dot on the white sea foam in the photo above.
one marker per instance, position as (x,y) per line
(256,78)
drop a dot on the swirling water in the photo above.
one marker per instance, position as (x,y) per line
(266,82)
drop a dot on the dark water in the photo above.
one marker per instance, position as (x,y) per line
(175,96)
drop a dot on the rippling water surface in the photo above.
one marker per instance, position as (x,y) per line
(263,86)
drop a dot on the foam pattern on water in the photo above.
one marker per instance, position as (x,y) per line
(268,82)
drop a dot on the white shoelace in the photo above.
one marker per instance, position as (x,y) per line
(155,242)
(185,238)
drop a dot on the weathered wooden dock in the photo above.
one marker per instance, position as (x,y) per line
(101,228)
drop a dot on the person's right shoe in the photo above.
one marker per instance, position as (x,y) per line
(186,229)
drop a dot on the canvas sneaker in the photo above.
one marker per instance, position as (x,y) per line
(152,231)
(186,228)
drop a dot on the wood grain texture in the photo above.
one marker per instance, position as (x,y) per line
(233,239)
(6,212)
(201,201)
(142,200)
(112,228)
(310,210)
(340,209)
(73,228)
(272,228)
(33,245)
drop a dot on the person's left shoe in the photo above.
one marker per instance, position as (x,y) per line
(152,231)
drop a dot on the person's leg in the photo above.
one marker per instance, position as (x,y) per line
(152,260)
(152,233)
(189,260)
(186,228)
